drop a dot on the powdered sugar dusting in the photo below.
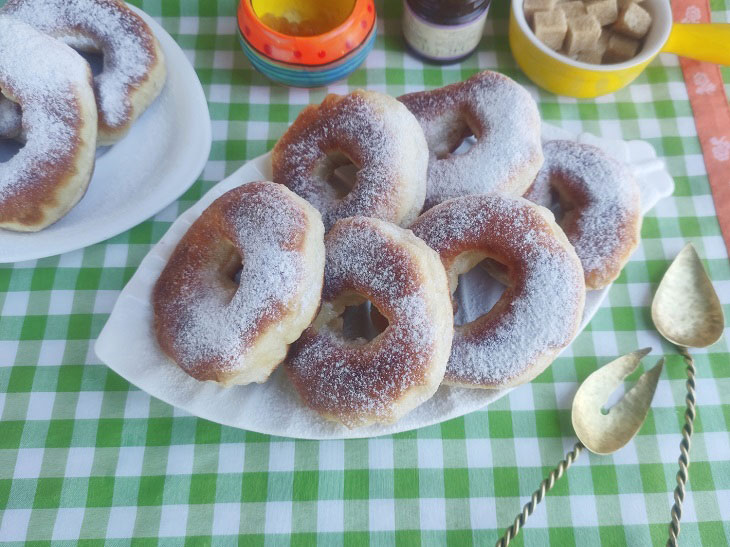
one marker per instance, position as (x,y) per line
(537,316)
(355,379)
(380,137)
(603,225)
(45,76)
(504,119)
(111,28)
(211,319)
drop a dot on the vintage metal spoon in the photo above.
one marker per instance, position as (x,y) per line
(687,312)
(600,431)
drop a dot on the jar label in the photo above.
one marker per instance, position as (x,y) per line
(441,42)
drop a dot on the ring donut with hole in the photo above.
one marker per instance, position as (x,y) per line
(601,203)
(370,130)
(502,116)
(540,310)
(52,83)
(236,332)
(356,382)
(134,66)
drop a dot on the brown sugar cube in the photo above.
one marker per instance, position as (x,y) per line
(620,49)
(633,21)
(575,7)
(592,56)
(583,31)
(606,11)
(550,28)
(603,39)
(529,7)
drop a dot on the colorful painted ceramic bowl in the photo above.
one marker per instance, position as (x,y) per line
(307,61)
(564,76)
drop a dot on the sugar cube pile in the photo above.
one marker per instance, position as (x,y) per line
(591,31)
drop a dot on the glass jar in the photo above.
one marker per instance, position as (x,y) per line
(443,31)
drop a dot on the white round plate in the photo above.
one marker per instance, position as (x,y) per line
(158,160)
(128,346)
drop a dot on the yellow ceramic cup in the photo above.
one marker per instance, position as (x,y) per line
(564,76)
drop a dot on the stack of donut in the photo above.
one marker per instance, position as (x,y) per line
(416,215)
(50,101)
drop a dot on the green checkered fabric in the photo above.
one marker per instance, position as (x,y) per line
(86,457)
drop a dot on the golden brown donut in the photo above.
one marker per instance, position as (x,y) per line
(539,312)
(236,332)
(356,382)
(52,84)
(134,65)
(374,132)
(601,203)
(502,116)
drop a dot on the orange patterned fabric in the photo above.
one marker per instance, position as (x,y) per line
(711,112)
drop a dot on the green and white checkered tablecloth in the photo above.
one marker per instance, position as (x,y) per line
(87,457)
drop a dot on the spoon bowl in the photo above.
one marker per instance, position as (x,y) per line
(686,309)
(604,433)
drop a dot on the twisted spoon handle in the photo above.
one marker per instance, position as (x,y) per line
(684,448)
(537,496)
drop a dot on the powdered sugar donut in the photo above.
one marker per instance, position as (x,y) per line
(374,132)
(506,123)
(540,310)
(602,205)
(134,67)
(356,382)
(52,84)
(216,328)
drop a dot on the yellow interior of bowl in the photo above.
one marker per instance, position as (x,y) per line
(302,17)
